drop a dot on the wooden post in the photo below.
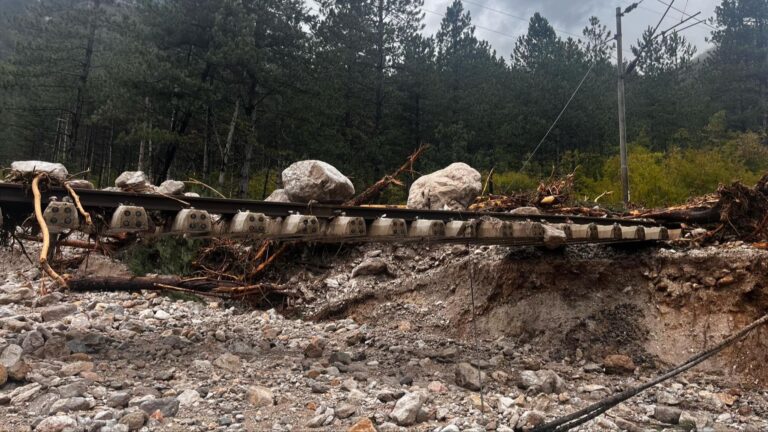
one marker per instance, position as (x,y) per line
(622,121)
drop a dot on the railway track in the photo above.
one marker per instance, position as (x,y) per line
(150,215)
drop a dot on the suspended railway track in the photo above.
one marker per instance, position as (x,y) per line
(147,215)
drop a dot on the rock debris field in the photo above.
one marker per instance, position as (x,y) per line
(393,354)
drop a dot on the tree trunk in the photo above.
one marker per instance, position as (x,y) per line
(245,170)
(149,150)
(207,139)
(140,166)
(109,150)
(82,81)
(379,70)
(228,144)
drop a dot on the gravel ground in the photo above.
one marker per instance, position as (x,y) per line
(125,362)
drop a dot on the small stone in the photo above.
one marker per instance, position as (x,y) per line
(41,405)
(525,211)
(188,398)
(15,366)
(134,420)
(370,267)
(3,375)
(75,368)
(619,364)
(315,348)
(340,357)
(56,424)
(530,419)
(667,414)
(57,312)
(162,315)
(468,377)
(437,387)
(363,425)
(168,406)
(319,388)
(260,396)
(70,404)
(228,362)
(118,400)
(407,409)
(32,342)
(74,389)
(725,280)
(345,410)
(22,394)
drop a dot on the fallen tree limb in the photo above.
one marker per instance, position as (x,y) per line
(385,181)
(687,215)
(79,206)
(104,248)
(198,286)
(46,234)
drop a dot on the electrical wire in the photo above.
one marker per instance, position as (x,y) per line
(683,12)
(558,116)
(505,13)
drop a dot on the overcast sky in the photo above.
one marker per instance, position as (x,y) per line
(499,21)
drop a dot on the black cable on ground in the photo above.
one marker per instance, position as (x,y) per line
(584,415)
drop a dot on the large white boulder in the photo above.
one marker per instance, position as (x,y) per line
(134,181)
(314,180)
(56,171)
(451,188)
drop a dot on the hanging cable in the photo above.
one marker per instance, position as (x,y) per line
(474,329)
(582,416)
(558,117)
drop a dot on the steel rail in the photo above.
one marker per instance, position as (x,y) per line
(16,197)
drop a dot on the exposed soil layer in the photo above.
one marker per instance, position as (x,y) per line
(657,306)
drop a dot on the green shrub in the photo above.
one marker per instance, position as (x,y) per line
(663,179)
(512,181)
(165,255)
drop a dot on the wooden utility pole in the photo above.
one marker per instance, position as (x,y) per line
(622,124)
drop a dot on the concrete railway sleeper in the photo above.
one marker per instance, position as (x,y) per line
(128,213)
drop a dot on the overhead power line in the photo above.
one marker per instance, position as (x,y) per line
(476,25)
(505,13)
(683,12)
(558,116)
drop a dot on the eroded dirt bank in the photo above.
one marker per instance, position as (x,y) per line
(391,347)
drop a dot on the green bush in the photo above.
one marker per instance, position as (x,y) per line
(165,255)
(663,179)
(512,181)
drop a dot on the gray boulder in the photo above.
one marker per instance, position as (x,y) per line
(80,184)
(14,364)
(278,195)
(451,188)
(171,187)
(468,377)
(553,237)
(371,266)
(56,171)
(407,409)
(56,424)
(133,181)
(314,180)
